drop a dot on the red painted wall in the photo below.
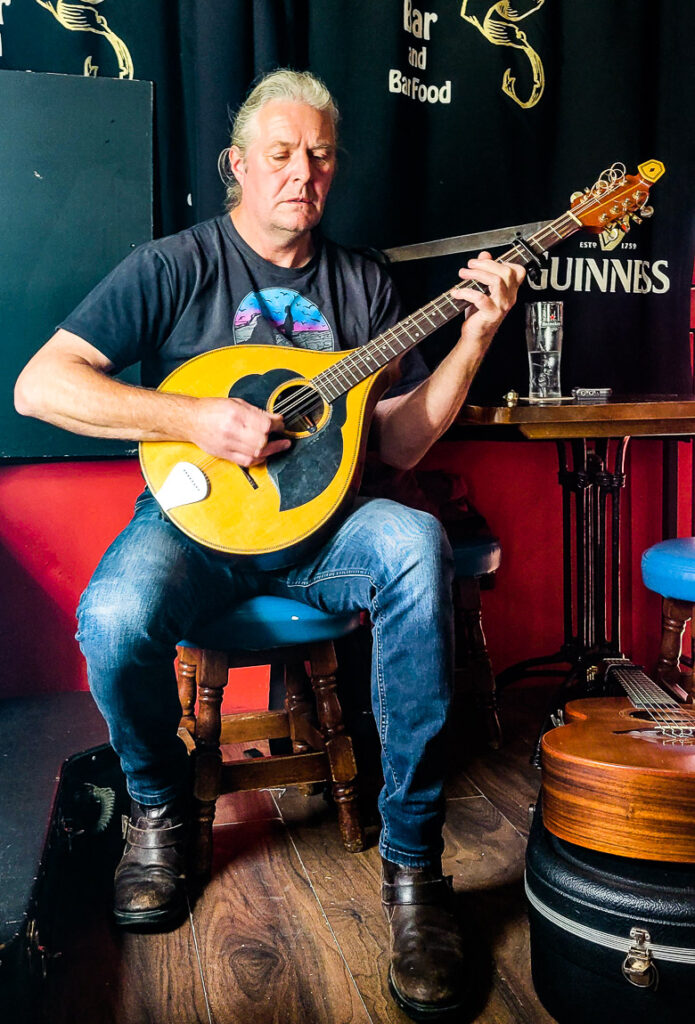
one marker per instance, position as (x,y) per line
(56,520)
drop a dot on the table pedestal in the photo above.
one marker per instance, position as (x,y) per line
(591,440)
(590,473)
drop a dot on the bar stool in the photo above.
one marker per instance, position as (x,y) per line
(260,631)
(476,560)
(668,568)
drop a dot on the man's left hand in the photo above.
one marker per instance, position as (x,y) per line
(501,281)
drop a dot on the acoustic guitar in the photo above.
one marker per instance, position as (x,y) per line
(271,514)
(619,775)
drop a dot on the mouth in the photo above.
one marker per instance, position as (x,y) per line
(299,201)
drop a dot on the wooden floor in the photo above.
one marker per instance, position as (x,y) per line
(290,929)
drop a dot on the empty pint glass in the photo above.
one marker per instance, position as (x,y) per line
(544,344)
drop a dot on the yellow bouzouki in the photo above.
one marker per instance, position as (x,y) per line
(271,514)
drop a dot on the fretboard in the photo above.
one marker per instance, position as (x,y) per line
(367,359)
(670,717)
(644,693)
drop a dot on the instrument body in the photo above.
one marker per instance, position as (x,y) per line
(619,776)
(290,500)
(270,515)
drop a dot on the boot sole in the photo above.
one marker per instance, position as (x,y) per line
(150,920)
(423,1011)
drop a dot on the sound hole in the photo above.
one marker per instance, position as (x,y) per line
(670,724)
(302,408)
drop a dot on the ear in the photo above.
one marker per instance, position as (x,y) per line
(236,163)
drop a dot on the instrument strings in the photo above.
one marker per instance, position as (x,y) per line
(304,401)
(357,360)
(663,709)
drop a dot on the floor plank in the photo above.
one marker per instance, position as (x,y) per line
(268,954)
(506,776)
(290,928)
(485,855)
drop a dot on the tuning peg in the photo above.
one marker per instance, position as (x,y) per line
(647,211)
(637,220)
(575,196)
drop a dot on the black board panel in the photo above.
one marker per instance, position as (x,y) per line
(76,197)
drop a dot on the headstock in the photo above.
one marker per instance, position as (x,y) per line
(616,199)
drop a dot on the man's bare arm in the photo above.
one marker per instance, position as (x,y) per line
(67,383)
(408,425)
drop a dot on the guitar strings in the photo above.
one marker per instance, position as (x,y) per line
(670,717)
(301,405)
(337,374)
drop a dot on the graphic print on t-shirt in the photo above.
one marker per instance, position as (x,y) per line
(281,316)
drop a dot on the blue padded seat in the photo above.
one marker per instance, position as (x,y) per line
(668,569)
(477,556)
(261,623)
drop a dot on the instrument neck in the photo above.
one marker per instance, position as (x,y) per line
(362,362)
(644,693)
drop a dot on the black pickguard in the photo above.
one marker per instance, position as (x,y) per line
(307,468)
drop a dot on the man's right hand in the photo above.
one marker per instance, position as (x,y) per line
(232,429)
(68,383)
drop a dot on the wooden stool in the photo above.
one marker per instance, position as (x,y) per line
(668,569)
(259,631)
(476,560)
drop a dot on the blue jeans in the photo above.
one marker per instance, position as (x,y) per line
(153,584)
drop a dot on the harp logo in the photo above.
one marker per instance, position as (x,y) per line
(84,17)
(498,23)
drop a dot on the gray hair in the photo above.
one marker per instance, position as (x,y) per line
(283,84)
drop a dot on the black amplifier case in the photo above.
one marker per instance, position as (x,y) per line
(612,938)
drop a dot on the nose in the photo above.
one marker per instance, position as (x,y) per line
(301,166)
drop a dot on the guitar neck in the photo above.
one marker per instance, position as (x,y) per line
(367,359)
(644,693)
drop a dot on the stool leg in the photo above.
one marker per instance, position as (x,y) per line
(187,682)
(212,679)
(674,617)
(341,757)
(298,703)
(473,656)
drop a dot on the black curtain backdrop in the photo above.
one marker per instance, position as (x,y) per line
(457,116)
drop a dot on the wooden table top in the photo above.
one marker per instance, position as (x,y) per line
(646,416)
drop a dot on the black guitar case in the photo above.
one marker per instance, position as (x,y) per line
(61,796)
(612,938)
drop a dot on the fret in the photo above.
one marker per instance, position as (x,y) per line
(347,368)
(326,388)
(363,354)
(406,331)
(387,344)
(425,313)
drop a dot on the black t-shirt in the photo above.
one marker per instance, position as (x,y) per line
(205,288)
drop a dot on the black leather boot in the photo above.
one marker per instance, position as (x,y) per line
(149,885)
(427,976)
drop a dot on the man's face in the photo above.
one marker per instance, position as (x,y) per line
(287,171)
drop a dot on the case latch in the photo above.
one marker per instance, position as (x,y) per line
(638,966)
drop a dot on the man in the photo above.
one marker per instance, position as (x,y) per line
(263,270)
